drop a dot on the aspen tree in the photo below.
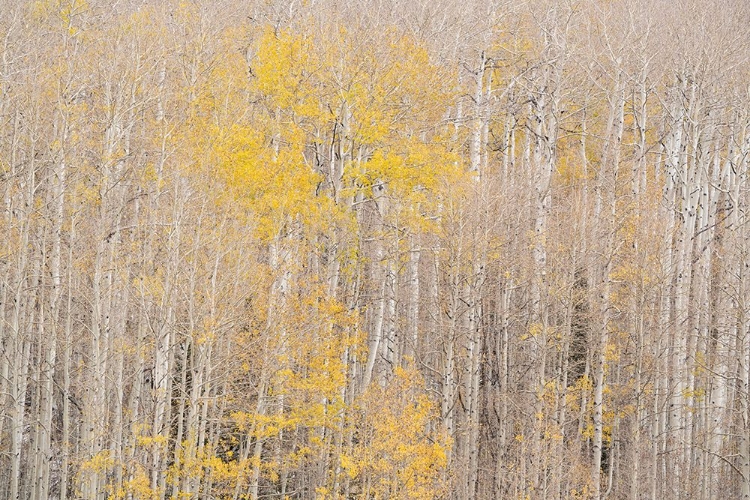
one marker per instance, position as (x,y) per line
(401,249)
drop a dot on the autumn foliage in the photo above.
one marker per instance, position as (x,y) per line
(374,250)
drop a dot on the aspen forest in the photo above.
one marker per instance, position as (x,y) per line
(374,249)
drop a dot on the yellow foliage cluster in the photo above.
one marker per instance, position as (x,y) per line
(399,454)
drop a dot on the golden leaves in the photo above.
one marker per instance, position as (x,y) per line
(403,459)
